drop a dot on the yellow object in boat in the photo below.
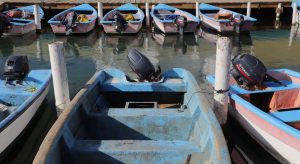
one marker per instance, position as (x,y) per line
(82,18)
(129,17)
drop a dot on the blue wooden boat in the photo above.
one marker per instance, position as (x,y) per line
(126,19)
(116,120)
(223,20)
(79,19)
(19,102)
(271,114)
(23,22)
(169,19)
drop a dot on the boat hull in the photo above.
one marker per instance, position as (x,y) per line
(276,141)
(20,30)
(225,27)
(94,130)
(281,139)
(131,28)
(172,28)
(13,130)
(80,28)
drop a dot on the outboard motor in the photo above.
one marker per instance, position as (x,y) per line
(69,21)
(120,22)
(247,70)
(181,22)
(16,68)
(4,23)
(238,22)
(143,67)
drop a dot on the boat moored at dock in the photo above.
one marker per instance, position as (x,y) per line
(126,19)
(169,19)
(21,20)
(20,98)
(115,119)
(270,113)
(223,20)
(77,20)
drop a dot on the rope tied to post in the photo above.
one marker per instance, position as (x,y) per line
(220,91)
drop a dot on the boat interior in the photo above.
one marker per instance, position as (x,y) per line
(137,16)
(117,121)
(171,15)
(88,13)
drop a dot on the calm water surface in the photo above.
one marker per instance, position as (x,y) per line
(95,51)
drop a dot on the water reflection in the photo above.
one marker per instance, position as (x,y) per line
(294,34)
(179,42)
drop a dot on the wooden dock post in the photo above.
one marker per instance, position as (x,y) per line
(294,18)
(100,11)
(37,19)
(197,9)
(224,47)
(278,11)
(249,9)
(59,75)
(147,14)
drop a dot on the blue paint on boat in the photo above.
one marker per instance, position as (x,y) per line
(83,7)
(23,22)
(125,7)
(207,7)
(172,9)
(272,86)
(19,97)
(100,126)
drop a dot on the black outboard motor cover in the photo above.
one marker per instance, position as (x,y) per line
(181,22)
(248,70)
(120,22)
(238,22)
(16,68)
(142,66)
(4,23)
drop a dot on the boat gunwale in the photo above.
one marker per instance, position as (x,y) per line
(107,22)
(88,8)
(25,105)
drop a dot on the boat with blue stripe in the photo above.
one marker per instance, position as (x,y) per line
(169,19)
(223,20)
(117,119)
(125,19)
(19,102)
(22,20)
(271,114)
(80,19)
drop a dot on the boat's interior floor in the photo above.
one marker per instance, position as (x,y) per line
(135,128)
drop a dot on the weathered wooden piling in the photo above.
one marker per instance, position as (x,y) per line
(224,47)
(197,9)
(147,14)
(37,19)
(59,75)
(249,9)
(278,11)
(294,18)
(100,11)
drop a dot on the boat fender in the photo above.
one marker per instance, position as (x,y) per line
(16,68)
(145,68)
(120,22)
(247,70)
